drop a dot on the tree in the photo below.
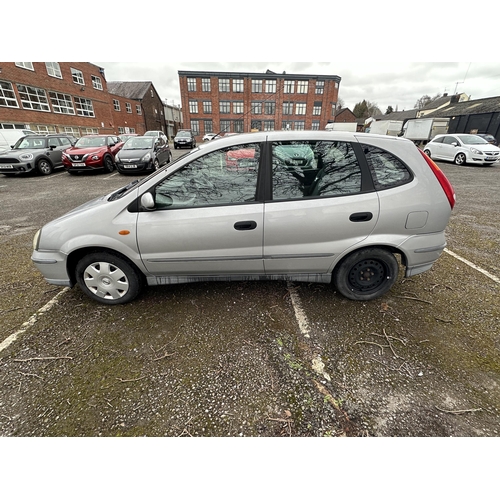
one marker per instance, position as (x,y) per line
(425,100)
(340,104)
(390,110)
(365,109)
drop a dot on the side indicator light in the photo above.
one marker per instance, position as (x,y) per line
(124,232)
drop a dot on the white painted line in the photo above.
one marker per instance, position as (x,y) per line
(470,264)
(112,175)
(26,325)
(299,311)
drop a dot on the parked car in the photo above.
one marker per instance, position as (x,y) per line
(143,154)
(126,137)
(209,136)
(8,137)
(92,152)
(157,133)
(184,139)
(373,197)
(462,149)
(39,153)
(489,138)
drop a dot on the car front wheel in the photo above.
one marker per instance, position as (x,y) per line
(109,164)
(44,167)
(427,152)
(107,278)
(366,274)
(460,159)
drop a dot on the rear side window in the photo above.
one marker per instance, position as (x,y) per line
(387,170)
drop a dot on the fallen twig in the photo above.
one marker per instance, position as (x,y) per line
(130,379)
(48,358)
(413,298)
(30,375)
(459,412)
(166,355)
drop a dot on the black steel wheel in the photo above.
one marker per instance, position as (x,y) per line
(107,278)
(366,274)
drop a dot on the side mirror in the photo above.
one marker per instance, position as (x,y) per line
(454,144)
(147,201)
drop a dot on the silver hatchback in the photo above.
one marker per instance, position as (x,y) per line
(302,206)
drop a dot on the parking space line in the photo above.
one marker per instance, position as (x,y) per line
(32,320)
(470,264)
(299,311)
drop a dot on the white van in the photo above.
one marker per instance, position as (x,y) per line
(8,137)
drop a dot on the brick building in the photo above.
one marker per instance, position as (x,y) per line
(243,102)
(67,97)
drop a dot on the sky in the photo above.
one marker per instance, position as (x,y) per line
(396,84)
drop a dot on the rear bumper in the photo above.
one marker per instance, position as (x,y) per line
(421,251)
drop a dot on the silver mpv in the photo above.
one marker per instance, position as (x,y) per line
(301,206)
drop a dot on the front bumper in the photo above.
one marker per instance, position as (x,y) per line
(134,167)
(52,265)
(17,168)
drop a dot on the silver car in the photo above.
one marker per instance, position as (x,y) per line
(462,149)
(303,206)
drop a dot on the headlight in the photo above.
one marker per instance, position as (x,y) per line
(476,151)
(36,239)
(146,157)
(95,157)
(26,156)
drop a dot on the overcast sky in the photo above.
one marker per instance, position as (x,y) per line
(398,84)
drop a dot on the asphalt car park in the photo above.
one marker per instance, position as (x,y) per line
(251,358)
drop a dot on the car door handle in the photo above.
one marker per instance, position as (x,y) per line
(245,225)
(361,217)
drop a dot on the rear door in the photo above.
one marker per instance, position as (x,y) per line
(320,206)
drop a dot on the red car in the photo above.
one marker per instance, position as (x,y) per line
(92,152)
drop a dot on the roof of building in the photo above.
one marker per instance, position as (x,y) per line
(267,74)
(129,90)
(398,115)
(474,107)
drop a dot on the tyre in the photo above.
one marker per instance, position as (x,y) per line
(44,167)
(169,157)
(366,274)
(107,278)
(427,152)
(109,164)
(156,164)
(460,159)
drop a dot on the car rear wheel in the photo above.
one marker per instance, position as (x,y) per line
(460,159)
(44,167)
(366,274)
(107,278)
(427,152)
(109,164)
(156,164)
(169,157)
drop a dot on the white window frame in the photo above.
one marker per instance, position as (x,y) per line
(270,86)
(205,85)
(320,87)
(84,107)
(238,107)
(53,69)
(193,107)
(257,86)
(207,107)
(61,103)
(289,87)
(138,109)
(116,105)
(77,76)
(300,108)
(302,86)
(128,107)
(25,65)
(96,82)
(7,95)
(224,85)
(238,85)
(34,97)
(191,84)
(224,107)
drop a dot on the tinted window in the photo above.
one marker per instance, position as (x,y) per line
(450,140)
(65,141)
(53,141)
(226,176)
(303,169)
(387,170)
(438,139)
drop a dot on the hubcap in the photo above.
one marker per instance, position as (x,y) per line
(106,280)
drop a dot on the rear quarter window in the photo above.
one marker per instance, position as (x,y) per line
(387,170)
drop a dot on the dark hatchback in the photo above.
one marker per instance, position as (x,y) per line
(143,154)
(184,139)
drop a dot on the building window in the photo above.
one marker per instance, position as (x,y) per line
(207,107)
(25,65)
(96,82)
(336,85)
(205,84)
(320,87)
(257,86)
(225,126)
(223,84)
(138,109)
(208,126)
(238,107)
(237,85)
(195,127)
(315,125)
(191,84)
(193,107)
(268,125)
(33,98)
(90,131)
(152,93)
(289,87)
(71,131)
(116,104)
(225,107)
(7,95)
(334,108)
(238,126)
(256,125)
(302,87)
(300,108)
(270,86)
(286,125)
(317,109)
(53,69)
(77,76)
(300,125)
(269,108)
(128,107)
(256,108)
(288,108)
(84,107)
(61,103)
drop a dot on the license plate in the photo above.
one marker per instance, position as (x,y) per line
(6,166)
(490,159)
(78,164)
(129,166)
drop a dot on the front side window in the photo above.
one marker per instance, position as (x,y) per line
(53,69)
(309,169)
(62,103)
(224,177)
(7,95)
(387,170)
(450,140)
(77,76)
(33,98)
(84,107)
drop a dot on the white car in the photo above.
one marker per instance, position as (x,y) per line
(209,136)
(462,149)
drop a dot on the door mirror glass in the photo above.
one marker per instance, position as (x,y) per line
(147,201)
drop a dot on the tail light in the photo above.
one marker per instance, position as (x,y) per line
(443,180)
